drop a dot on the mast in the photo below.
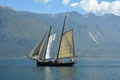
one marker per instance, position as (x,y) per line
(47,40)
(73,45)
(61,36)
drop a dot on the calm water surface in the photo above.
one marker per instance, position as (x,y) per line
(23,69)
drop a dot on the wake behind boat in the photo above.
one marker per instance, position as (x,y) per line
(66,54)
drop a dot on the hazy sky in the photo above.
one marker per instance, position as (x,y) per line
(98,7)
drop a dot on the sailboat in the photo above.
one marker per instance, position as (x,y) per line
(41,53)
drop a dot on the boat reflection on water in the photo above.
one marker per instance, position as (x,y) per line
(55,73)
(48,74)
(66,73)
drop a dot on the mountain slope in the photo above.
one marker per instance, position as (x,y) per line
(95,36)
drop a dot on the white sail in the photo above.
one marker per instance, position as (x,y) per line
(50,41)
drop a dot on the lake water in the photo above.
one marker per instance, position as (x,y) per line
(85,69)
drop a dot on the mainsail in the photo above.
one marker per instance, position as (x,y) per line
(50,41)
(67,47)
(37,52)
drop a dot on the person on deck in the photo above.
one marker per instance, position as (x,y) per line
(71,60)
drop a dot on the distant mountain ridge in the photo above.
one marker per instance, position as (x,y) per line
(95,36)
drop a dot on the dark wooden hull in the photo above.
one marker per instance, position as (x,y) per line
(55,64)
